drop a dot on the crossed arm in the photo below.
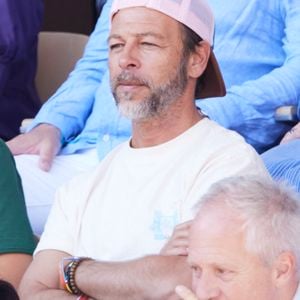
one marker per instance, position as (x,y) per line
(149,277)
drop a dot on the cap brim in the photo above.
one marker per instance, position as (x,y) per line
(211,83)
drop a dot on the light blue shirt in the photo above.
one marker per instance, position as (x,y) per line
(283,163)
(257,44)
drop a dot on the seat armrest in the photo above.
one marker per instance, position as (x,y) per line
(24,125)
(286,114)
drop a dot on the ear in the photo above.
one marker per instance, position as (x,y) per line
(198,59)
(284,269)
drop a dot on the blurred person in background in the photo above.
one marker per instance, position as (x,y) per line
(283,161)
(20,23)
(16,238)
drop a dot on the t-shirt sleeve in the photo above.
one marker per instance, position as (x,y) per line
(63,222)
(16,235)
(238,159)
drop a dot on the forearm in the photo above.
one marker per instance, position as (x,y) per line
(251,100)
(152,277)
(48,294)
(249,108)
(63,118)
(13,267)
(255,101)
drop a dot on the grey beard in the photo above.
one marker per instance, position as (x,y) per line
(159,100)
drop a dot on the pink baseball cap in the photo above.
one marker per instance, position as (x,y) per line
(197,15)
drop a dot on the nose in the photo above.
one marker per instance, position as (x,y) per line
(206,288)
(129,58)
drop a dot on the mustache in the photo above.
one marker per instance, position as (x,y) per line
(127,78)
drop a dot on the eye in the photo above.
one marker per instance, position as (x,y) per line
(115,46)
(149,44)
(197,271)
(220,271)
(224,274)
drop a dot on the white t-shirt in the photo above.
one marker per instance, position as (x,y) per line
(130,204)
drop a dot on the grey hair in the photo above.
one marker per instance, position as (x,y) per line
(270,211)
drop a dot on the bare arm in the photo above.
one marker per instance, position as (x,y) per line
(41,280)
(13,266)
(43,140)
(151,277)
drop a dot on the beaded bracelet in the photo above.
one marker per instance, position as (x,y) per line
(68,275)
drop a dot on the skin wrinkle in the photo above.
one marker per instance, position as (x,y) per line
(222,266)
(137,35)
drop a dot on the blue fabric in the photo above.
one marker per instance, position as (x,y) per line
(99,5)
(20,22)
(283,162)
(257,44)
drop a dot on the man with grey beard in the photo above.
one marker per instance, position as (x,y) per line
(121,214)
(161,98)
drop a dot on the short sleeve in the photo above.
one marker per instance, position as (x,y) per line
(16,235)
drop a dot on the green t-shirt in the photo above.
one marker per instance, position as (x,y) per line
(15,232)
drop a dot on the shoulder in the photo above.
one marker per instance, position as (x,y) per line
(225,150)
(218,136)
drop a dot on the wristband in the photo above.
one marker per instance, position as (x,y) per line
(68,275)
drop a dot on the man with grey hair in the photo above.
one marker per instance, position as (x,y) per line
(245,242)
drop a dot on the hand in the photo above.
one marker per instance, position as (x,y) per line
(178,242)
(293,134)
(43,140)
(184,293)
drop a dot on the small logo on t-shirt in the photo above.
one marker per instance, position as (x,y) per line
(163,224)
